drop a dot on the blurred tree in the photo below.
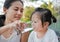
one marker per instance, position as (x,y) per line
(27,13)
(28,10)
(33,0)
(49,5)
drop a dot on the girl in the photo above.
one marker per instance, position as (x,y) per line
(41,19)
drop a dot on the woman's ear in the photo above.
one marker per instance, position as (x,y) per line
(46,24)
(4,10)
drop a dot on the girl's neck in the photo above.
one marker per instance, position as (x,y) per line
(41,33)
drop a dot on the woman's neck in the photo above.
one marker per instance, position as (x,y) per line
(7,22)
(9,32)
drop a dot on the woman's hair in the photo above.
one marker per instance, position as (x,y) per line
(8,3)
(45,15)
(2,19)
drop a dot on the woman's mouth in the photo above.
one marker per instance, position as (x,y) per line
(18,17)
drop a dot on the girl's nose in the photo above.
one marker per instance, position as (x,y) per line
(32,24)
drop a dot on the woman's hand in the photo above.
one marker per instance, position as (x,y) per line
(18,26)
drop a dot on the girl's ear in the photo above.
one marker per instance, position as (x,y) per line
(46,24)
(4,10)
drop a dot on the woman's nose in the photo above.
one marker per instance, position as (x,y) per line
(19,13)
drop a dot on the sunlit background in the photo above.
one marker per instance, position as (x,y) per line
(30,5)
(35,3)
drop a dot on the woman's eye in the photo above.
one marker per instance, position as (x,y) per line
(21,11)
(16,9)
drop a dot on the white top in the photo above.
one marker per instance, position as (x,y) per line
(13,38)
(50,36)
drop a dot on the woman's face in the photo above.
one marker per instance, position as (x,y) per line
(36,22)
(15,11)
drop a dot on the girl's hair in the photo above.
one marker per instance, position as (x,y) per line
(7,3)
(45,15)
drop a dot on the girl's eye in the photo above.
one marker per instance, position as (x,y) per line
(35,22)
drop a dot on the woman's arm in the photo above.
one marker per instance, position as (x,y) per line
(3,29)
(24,37)
(8,26)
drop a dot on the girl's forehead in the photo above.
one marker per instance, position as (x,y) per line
(36,15)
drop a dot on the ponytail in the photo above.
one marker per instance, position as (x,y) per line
(2,19)
(54,19)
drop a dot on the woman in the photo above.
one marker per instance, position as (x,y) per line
(9,22)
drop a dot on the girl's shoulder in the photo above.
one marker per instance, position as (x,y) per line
(32,33)
(51,32)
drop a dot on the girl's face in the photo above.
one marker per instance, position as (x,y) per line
(36,22)
(14,12)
